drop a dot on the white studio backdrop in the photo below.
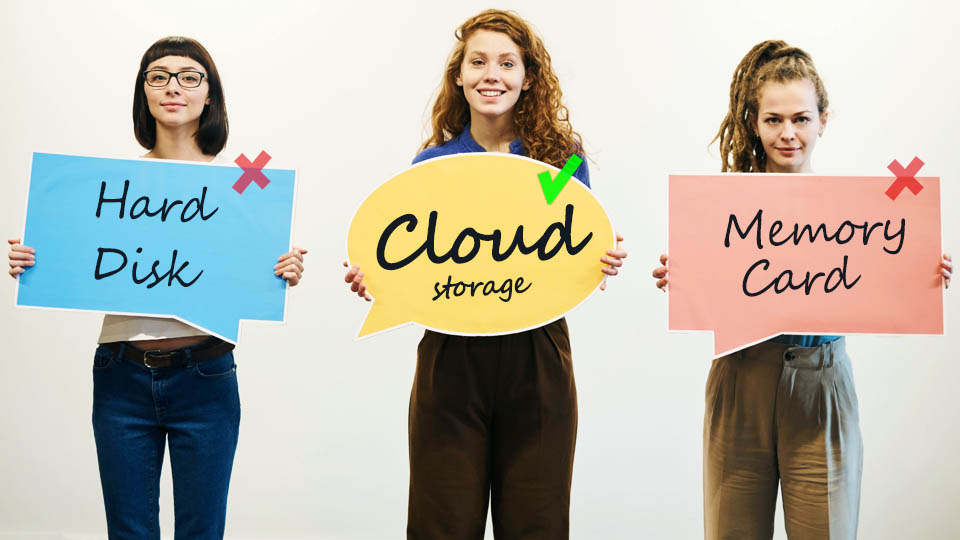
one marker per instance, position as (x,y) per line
(341,91)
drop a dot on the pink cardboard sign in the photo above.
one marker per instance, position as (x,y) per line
(756,255)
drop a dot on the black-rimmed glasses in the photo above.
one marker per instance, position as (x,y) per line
(159,78)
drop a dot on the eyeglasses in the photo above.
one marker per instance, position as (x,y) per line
(159,78)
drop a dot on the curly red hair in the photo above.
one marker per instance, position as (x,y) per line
(540,119)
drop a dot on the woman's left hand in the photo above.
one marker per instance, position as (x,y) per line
(613,260)
(946,269)
(290,266)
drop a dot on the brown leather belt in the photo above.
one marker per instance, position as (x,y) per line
(205,350)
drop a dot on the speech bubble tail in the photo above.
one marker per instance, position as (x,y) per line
(379,320)
(225,328)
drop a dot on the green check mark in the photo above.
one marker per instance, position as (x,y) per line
(552,188)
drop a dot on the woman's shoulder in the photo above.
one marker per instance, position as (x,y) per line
(583,172)
(222,158)
(453,146)
(429,153)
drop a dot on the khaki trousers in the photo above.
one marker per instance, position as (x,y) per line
(789,414)
(492,418)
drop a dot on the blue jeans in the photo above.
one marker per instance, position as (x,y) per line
(135,410)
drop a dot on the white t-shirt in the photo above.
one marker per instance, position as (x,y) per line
(137,328)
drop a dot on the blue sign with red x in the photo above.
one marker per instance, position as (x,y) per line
(158,238)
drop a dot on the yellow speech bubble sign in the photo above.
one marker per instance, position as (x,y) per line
(467,244)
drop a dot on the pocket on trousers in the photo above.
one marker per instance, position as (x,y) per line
(559,337)
(432,342)
(715,379)
(221,366)
(103,359)
(846,389)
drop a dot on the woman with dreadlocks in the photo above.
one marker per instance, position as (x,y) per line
(783,411)
(495,418)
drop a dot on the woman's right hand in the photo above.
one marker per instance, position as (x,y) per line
(21,257)
(355,278)
(661,273)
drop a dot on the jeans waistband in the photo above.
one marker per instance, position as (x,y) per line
(184,356)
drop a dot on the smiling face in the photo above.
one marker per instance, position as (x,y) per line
(788,124)
(492,74)
(172,105)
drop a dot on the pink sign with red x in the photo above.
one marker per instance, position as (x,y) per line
(756,255)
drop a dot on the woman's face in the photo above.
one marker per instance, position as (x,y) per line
(492,74)
(174,105)
(788,123)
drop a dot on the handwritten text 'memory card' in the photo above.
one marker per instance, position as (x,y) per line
(756,255)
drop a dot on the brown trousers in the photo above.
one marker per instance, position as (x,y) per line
(492,418)
(788,414)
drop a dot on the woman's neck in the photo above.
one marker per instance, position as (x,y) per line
(178,143)
(493,134)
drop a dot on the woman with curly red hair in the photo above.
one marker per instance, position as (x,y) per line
(495,418)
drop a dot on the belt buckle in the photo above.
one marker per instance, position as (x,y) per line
(154,354)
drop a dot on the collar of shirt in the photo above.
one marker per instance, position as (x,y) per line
(465,140)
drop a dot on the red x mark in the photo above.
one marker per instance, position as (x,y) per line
(251,171)
(905,178)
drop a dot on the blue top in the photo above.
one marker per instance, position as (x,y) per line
(804,341)
(464,143)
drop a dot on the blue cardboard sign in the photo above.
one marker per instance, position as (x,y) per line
(157,238)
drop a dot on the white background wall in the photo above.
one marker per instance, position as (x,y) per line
(341,90)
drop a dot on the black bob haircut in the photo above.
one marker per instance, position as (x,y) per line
(211,136)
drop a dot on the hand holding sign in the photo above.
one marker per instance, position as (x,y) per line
(661,273)
(802,254)
(290,266)
(20,257)
(614,260)
(467,245)
(355,278)
(946,269)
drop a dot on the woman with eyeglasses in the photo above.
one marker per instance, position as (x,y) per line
(158,381)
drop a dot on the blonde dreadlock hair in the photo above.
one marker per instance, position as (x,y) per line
(769,61)
(540,119)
